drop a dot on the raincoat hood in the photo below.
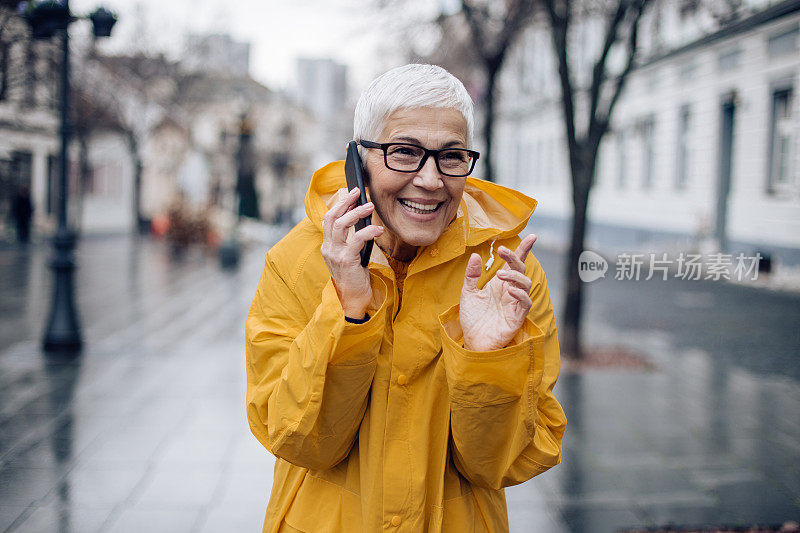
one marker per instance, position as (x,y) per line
(490,210)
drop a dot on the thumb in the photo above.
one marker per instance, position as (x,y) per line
(473,273)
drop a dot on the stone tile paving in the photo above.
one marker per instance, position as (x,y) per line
(147,431)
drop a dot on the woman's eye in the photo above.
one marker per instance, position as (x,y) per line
(453,156)
(402,150)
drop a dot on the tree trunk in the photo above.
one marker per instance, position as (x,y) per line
(573,305)
(488,123)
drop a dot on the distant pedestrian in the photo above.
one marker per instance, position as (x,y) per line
(22,212)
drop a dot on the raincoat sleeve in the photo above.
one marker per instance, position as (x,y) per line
(308,377)
(505,422)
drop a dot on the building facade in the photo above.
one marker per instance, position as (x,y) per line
(704,147)
(147,132)
(29,142)
(322,90)
(218,53)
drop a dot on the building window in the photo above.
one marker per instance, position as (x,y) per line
(687,72)
(646,129)
(783,43)
(781,144)
(682,163)
(729,59)
(21,168)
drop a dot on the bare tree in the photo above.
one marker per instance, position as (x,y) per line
(472,42)
(492,28)
(124,93)
(621,20)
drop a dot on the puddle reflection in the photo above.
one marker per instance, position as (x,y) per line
(694,442)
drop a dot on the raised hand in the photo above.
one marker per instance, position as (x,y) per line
(341,252)
(490,317)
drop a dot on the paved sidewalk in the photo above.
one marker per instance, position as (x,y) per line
(147,430)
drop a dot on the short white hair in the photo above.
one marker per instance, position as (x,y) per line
(409,87)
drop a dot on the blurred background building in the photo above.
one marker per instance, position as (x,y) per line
(150,131)
(704,148)
(28,121)
(322,90)
(216,53)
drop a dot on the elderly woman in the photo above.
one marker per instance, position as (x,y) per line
(404,396)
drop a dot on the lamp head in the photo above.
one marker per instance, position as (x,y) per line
(102,22)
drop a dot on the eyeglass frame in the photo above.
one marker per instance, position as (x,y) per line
(435,153)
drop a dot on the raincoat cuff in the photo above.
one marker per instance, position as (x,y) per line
(358,343)
(495,376)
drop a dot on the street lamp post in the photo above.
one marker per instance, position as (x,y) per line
(47,17)
(229,250)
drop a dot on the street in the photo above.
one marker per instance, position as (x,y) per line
(147,430)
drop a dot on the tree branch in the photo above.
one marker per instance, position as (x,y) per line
(632,45)
(599,70)
(518,15)
(475,27)
(559,26)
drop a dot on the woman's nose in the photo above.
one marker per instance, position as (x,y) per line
(428,176)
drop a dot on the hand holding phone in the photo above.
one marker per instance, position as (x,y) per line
(346,252)
(355,178)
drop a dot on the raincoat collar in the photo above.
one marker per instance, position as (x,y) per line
(487,212)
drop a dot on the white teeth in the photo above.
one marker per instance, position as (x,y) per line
(421,207)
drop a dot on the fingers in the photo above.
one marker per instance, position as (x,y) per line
(472,273)
(516,260)
(525,247)
(348,219)
(515,279)
(342,206)
(363,235)
(522,297)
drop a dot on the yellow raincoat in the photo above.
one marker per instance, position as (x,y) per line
(391,424)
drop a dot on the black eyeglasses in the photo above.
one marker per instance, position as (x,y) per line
(407,157)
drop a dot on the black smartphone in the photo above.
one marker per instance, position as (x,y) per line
(355,178)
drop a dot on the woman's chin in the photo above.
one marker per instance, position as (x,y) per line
(419,239)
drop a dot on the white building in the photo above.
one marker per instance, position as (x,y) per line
(322,89)
(29,141)
(704,147)
(106,202)
(217,53)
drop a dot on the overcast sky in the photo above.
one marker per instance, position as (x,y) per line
(344,30)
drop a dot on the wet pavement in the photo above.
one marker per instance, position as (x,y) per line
(146,431)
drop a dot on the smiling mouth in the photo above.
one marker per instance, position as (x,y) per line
(422,209)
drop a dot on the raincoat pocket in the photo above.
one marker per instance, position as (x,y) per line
(457,515)
(317,501)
